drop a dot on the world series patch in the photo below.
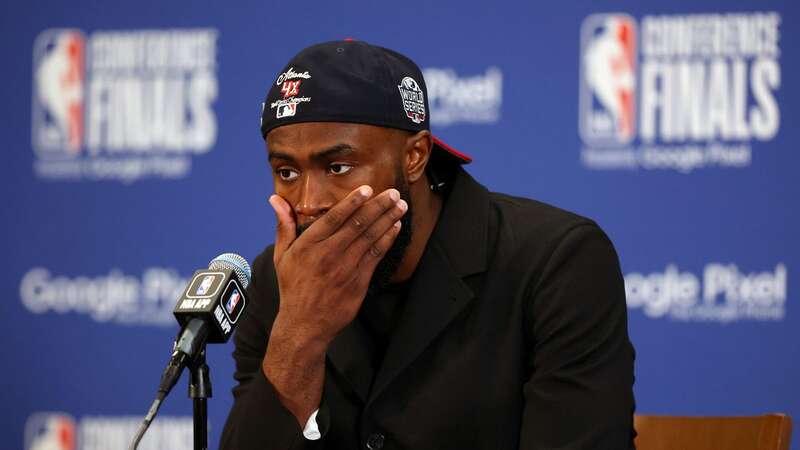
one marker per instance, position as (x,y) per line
(413,99)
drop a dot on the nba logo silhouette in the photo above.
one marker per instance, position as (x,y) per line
(233,301)
(50,431)
(204,285)
(608,79)
(58,92)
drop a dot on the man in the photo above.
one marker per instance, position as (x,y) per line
(403,306)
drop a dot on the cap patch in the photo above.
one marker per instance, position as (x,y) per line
(289,82)
(413,99)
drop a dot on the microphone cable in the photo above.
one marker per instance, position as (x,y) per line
(168,380)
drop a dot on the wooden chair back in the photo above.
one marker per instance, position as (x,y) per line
(766,432)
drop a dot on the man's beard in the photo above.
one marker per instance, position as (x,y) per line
(388,265)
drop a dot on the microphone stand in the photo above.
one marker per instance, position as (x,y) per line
(199,391)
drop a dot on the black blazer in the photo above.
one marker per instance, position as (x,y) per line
(514,335)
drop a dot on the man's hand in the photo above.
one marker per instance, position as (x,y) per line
(323,277)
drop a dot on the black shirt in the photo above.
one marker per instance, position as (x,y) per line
(378,315)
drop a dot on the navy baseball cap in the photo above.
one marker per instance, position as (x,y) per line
(354,82)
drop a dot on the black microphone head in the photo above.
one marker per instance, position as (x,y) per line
(234,262)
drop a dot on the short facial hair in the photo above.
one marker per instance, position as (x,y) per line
(390,262)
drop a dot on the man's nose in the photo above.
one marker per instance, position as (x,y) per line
(315,199)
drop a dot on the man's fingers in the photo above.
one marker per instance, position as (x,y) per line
(332,220)
(364,222)
(377,250)
(287,227)
(366,241)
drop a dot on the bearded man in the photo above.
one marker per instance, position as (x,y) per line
(403,305)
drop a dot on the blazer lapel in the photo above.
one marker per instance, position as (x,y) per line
(438,294)
(436,297)
(351,355)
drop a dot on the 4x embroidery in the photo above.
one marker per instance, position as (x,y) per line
(290,88)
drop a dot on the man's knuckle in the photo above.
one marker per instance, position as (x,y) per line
(387,202)
(335,273)
(358,222)
(396,214)
(355,200)
(332,218)
(369,235)
(326,260)
(349,276)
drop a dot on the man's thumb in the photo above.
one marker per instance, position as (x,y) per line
(287,229)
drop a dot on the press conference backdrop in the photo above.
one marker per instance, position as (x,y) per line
(132,156)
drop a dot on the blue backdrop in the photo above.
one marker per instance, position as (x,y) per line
(133,157)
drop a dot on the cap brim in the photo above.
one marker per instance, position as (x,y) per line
(450,152)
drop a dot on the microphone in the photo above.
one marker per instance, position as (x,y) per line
(207,312)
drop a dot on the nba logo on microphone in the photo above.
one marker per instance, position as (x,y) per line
(50,431)
(58,92)
(233,301)
(608,80)
(204,285)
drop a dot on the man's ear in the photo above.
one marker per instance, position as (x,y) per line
(417,153)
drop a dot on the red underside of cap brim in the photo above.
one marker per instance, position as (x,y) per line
(461,157)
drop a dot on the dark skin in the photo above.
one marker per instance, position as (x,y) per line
(336,181)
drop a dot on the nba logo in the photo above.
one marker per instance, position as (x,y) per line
(232,301)
(58,92)
(205,285)
(50,431)
(608,79)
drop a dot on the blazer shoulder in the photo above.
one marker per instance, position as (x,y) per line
(263,292)
(263,267)
(525,220)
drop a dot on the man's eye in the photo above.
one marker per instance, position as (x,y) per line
(339,168)
(286,174)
